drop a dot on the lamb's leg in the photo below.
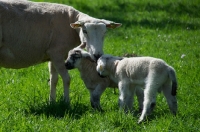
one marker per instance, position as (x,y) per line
(150,92)
(94,100)
(171,100)
(53,82)
(126,96)
(140,97)
(95,95)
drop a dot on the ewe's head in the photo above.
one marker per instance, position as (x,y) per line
(93,32)
(75,55)
(105,63)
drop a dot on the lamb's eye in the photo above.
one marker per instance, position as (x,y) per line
(84,31)
(74,58)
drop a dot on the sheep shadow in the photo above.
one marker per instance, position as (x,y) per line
(77,110)
(58,109)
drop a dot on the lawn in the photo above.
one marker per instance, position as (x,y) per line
(168,29)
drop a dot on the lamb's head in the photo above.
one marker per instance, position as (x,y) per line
(93,32)
(75,55)
(105,63)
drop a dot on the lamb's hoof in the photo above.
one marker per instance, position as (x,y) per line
(140,121)
(97,108)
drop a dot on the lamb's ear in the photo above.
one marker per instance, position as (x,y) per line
(101,67)
(101,63)
(76,24)
(82,45)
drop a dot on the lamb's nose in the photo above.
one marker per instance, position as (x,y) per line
(101,75)
(68,66)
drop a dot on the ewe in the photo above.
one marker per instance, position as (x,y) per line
(152,74)
(35,32)
(80,59)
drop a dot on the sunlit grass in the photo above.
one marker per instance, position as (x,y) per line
(167,29)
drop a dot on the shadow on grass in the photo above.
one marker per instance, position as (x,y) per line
(58,109)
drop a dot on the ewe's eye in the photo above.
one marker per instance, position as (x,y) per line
(84,31)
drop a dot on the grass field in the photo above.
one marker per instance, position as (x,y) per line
(168,29)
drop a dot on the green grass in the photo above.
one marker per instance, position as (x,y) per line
(165,29)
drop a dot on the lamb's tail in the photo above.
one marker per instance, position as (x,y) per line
(172,76)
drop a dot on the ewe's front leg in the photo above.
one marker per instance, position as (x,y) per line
(53,82)
(126,96)
(59,65)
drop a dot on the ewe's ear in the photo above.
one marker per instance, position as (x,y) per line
(110,24)
(77,24)
(113,25)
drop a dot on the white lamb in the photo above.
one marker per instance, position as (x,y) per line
(80,59)
(152,74)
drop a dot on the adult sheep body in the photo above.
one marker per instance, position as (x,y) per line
(35,32)
(152,74)
(82,60)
